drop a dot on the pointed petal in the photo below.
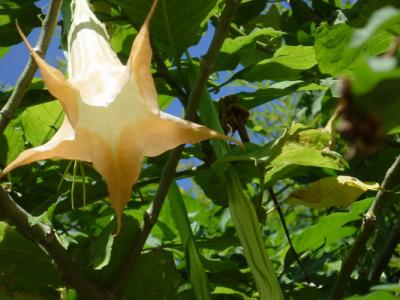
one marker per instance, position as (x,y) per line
(119,167)
(64,144)
(55,82)
(165,132)
(140,61)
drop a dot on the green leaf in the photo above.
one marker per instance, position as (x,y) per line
(230,54)
(12,142)
(212,184)
(27,14)
(3,51)
(332,49)
(23,265)
(108,252)
(47,216)
(41,121)
(228,292)
(248,10)
(378,295)
(382,19)
(331,229)
(300,146)
(275,91)
(154,277)
(184,28)
(122,39)
(197,274)
(286,64)
(390,287)
(246,223)
(338,191)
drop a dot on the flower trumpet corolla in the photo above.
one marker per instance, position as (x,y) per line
(112,115)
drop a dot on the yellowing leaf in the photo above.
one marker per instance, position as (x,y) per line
(338,191)
(112,114)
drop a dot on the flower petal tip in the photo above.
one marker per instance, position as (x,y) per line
(118,222)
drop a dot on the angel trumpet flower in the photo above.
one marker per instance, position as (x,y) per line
(112,118)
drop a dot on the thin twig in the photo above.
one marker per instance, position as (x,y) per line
(386,253)
(285,228)
(150,218)
(392,178)
(49,23)
(48,239)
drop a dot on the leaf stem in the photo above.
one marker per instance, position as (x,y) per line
(168,173)
(369,223)
(26,76)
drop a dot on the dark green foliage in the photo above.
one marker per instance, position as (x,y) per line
(291,66)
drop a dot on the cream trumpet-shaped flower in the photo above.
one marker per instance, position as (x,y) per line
(112,115)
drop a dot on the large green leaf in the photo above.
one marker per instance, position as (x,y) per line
(330,229)
(383,19)
(41,121)
(300,146)
(35,125)
(338,191)
(339,46)
(177,23)
(286,64)
(12,142)
(27,14)
(197,274)
(377,295)
(23,265)
(231,53)
(154,277)
(107,252)
(277,90)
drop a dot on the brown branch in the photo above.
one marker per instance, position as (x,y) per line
(150,218)
(386,253)
(392,178)
(285,228)
(48,239)
(26,76)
